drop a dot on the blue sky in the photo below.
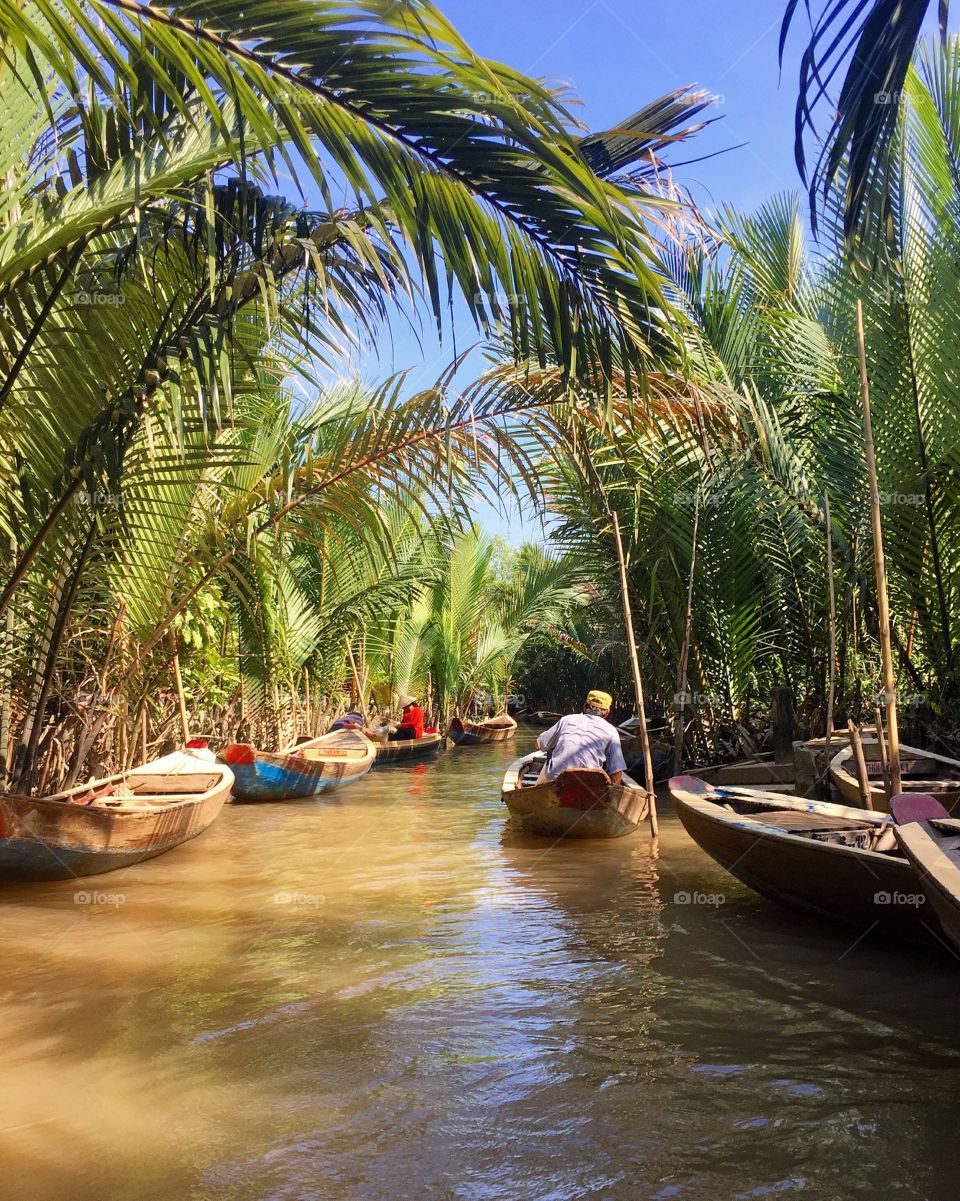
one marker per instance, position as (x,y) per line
(615,55)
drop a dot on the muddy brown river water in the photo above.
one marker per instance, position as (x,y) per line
(389,995)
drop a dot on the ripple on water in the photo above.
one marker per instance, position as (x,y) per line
(443,1008)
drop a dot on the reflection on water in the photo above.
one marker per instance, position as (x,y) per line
(388,994)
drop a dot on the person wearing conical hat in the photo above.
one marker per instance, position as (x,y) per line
(584,740)
(411,721)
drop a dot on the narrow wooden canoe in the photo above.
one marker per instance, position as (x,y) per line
(931,842)
(111,823)
(761,772)
(302,771)
(473,733)
(838,862)
(408,751)
(577,804)
(922,771)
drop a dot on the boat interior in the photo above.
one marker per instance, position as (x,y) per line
(141,788)
(865,834)
(919,774)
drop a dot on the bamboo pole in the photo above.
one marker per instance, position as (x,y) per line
(306,701)
(682,670)
(883,600)
(181,698)
(637,680)
(358,687)
(831,592)
(862,778)
(143,733)
(882,747)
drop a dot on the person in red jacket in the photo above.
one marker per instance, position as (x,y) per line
(411,721)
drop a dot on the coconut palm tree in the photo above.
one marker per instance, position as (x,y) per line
(774,334)
(162,306)
(872,42)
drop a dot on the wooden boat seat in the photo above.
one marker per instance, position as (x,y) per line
(797,823)
(178,785)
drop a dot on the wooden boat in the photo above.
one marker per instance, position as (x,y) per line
(302,771)
(922,771)
(411,750)
(762,771)
(473,733)
(838,862)
(931,842)
(113,822)
(577,804)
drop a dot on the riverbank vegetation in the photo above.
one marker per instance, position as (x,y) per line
(207,205)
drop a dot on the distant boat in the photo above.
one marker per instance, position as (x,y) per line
(306,770)
(931,842)
(472,733)
(113,822)
(579,803)
(922,771)
(837,862)
(408,750)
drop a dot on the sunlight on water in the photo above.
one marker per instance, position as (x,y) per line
(389,994)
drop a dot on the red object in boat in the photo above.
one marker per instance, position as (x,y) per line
(582,789)
(197,744)
(239,753)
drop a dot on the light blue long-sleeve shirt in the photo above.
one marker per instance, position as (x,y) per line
(581,740)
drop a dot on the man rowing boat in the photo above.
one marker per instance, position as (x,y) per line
(583,740)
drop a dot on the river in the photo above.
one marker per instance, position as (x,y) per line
(388,994)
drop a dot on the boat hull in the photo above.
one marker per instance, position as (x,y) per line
(412,751)
(312,768)
(575,805)
(44,839)
(844,884)
(919,775)
(477,733)
(755,773)
(939,873)
(265,780)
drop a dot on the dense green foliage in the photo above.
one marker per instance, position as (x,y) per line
(179,465)
(187,481)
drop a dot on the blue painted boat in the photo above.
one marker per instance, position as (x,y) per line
(111,823)
(307,770)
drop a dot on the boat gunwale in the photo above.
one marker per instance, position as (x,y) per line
(715,812)
(141,804)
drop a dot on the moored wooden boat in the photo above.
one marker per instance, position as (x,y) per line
(931,842)
(473,733)
(922,771)
(113,822)
(407,751)
(763,771)
(306,770)
(838,862)
(577,804)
